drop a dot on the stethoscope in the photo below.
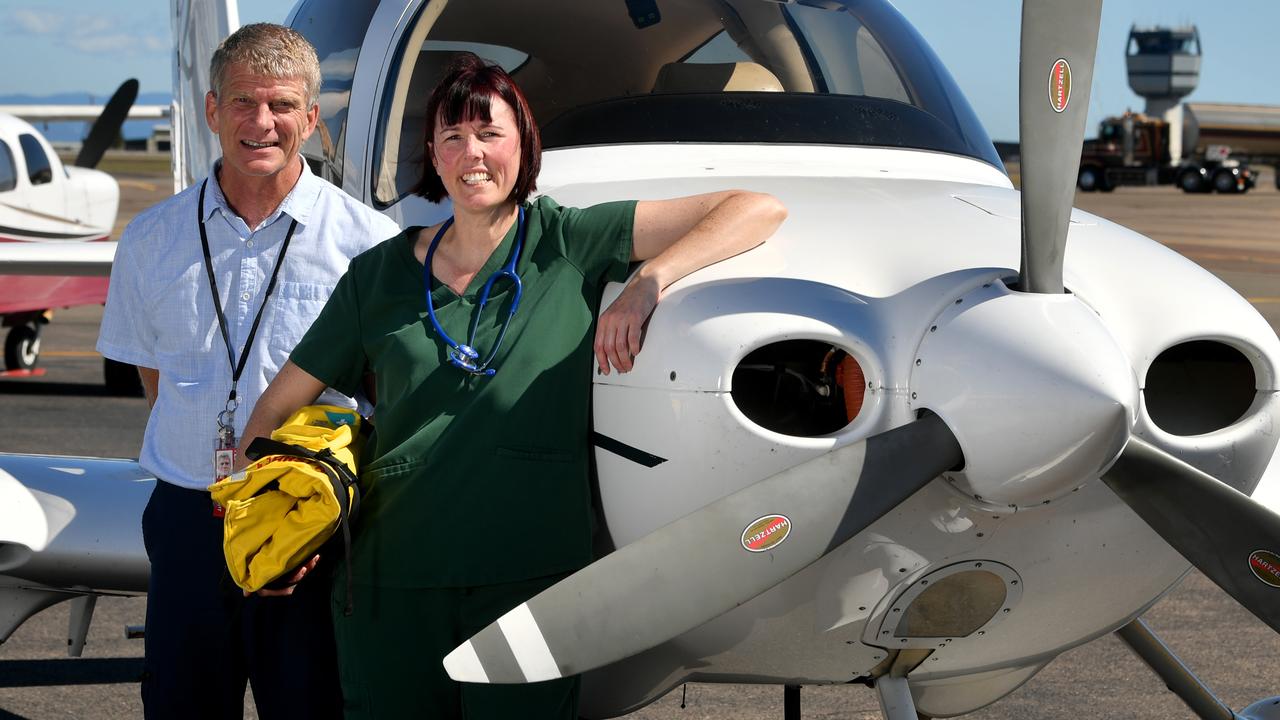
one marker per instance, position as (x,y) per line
(465,357)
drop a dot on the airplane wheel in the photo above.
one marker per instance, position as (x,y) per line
(121,379)
(22,347)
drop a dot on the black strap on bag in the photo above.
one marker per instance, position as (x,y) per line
(343,481)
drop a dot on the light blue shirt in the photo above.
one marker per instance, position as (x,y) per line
(160,311)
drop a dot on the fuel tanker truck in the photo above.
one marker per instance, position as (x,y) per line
(1200,147)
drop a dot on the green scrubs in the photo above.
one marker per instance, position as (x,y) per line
(472,481)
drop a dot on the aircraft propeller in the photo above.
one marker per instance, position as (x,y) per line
(621,604)
(1059,42)
(1227,535)
(106,128)
(1232,539)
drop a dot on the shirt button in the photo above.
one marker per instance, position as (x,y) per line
(245,296)
(249,244)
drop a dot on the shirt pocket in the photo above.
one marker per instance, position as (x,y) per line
(294,306)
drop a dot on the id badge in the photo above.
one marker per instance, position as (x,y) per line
(224,457)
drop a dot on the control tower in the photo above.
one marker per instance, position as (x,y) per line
(1163,64)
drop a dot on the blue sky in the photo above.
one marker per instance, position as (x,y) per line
(981,50)
(49,46)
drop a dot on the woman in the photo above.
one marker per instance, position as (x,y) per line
(476,491)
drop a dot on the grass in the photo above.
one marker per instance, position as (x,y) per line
(1015,173)
(131,163)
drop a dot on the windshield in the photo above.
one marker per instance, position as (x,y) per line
(647,71)
(337,45)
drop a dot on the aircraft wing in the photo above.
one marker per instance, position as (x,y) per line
(87,113)
(198,27)
(57,258)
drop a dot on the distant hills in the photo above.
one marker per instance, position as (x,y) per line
(75,131)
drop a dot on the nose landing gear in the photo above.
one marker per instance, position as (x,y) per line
(22,346)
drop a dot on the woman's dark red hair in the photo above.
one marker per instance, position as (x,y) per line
(463,94)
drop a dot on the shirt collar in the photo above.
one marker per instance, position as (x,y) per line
(298,204)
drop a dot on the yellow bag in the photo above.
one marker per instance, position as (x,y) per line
(299,491)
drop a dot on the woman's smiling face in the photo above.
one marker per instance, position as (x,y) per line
(478,160)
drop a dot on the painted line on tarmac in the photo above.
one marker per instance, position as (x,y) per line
(139,184)
(70,353)
(1263,300)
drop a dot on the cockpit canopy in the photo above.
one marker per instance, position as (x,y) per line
(604,72)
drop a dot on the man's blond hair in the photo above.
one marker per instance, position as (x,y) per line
(271,50)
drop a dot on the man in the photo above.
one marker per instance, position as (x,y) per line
(209,293)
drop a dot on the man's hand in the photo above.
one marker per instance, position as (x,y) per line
(293,580)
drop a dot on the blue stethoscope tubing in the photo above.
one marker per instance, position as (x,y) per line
(465,356)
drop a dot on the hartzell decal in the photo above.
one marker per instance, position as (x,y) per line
(1060,85)
(766,533)
(1266,566)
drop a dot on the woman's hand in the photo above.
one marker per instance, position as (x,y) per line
(677,237)
(621,327)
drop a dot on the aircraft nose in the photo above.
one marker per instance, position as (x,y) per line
(23,526)
(1038,393)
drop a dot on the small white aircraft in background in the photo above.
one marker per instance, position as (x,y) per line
(45,205)
(932,435)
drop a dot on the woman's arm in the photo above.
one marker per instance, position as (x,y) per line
(291,389)
(678,237)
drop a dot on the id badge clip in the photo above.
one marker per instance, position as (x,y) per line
(224,455)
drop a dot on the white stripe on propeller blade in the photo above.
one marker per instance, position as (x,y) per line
(528,645)
(464,666)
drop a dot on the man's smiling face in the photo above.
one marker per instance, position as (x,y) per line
(261,121)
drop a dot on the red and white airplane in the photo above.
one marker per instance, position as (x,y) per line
(48,204)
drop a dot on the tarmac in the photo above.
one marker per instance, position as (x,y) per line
(68,411)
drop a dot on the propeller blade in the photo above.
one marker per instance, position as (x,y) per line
(1228,536)
(1059,41)
(708,562)
(106,128)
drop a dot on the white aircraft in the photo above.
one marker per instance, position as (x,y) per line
(44,205)
(930,436)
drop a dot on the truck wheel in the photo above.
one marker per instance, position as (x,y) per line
(1090,179)
(121,379)
(1224,181)
(1191,181)
(22,347)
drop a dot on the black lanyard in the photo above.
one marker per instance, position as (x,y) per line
(236,367)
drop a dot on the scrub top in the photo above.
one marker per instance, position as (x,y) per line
(475,480)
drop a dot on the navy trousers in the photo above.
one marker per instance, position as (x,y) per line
(204,639)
